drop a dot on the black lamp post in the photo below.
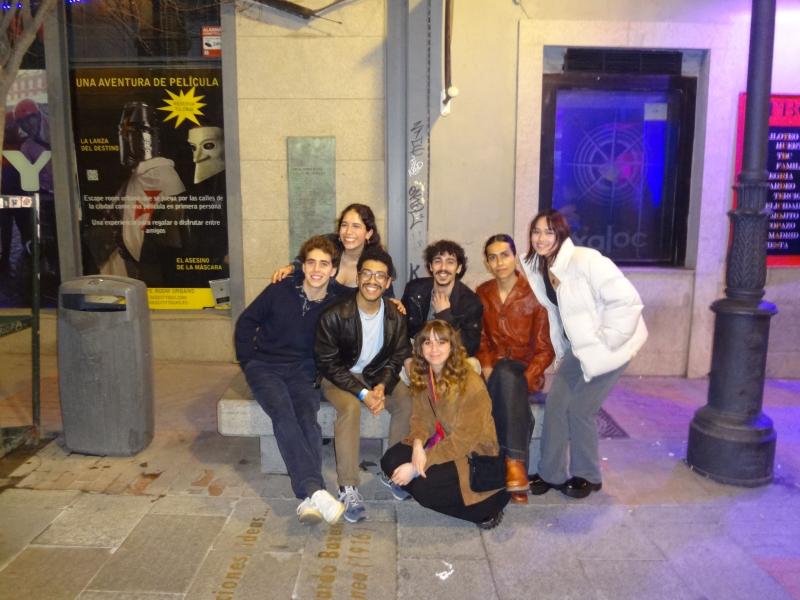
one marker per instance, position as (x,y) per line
(730,439)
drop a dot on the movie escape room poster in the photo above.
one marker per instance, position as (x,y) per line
(151,168)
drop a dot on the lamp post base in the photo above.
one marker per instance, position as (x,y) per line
(730,439)
(731,450)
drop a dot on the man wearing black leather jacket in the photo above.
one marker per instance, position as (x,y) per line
(361,343)
(443,296)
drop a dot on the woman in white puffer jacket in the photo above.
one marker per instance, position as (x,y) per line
(596,328)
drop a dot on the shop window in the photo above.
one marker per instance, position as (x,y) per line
(616,156)
(27,169)
(141,30)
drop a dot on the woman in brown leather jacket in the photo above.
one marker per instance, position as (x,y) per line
(451,418)
(514,352)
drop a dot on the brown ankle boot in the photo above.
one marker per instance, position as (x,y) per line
(516,476)
(519,497)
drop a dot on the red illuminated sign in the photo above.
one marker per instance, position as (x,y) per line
(783,166)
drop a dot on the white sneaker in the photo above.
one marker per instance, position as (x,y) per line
(328,506)
(354,510)
(308,513)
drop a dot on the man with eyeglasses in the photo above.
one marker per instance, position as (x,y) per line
(361,343)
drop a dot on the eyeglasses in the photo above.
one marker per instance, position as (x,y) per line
(366,275)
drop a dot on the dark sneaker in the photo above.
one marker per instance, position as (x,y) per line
(354,510)
(491,522)
(398,492)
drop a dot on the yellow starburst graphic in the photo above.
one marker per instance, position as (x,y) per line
(183,107)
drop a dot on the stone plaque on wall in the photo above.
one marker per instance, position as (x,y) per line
(311,175)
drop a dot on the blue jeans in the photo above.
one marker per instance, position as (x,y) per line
(511,411)
(288,396)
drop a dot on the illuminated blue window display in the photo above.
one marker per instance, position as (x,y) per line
(616,170)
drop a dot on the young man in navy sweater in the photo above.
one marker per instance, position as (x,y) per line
(275,347)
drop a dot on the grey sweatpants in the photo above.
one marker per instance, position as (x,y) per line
(569,432)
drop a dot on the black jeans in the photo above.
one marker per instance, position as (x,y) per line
(513,420)
(289,398)
(439,490)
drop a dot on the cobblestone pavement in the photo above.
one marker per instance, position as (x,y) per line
(192,516)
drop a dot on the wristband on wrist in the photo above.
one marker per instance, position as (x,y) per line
(363,394)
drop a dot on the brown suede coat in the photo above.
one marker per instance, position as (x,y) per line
(467,419)
(517,329)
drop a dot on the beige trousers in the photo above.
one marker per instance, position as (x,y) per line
(347,429)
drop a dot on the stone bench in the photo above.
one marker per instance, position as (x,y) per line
(239,415)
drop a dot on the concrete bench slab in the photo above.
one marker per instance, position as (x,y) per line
(239,415)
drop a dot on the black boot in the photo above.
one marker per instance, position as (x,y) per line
(491,522)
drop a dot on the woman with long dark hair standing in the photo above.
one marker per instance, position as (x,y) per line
(450,419)
(356,230)
(596,328)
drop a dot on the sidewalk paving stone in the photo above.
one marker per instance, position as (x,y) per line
(193,505)
(95,520)
(711,564)
(229,574)
(217,480)
(439,578)
(93,595)
(349,561)
(279,486)
(386,511)
(19,526)
(766,538)
(24,514)
(701,512)
(634,580)
(528,547)
(261,525)
(532,556)
(67,570)
(423,533)
(36,499)
(755,509)
(161,554)
(552,584)
(605,533)
(211,448)
(786,571)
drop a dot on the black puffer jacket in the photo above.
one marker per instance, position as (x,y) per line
(465,312)
(338,346)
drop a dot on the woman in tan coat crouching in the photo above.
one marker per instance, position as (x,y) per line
(451,418)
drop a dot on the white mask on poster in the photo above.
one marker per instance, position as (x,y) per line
(208,151)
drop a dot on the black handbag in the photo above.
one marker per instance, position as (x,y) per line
(486,473)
